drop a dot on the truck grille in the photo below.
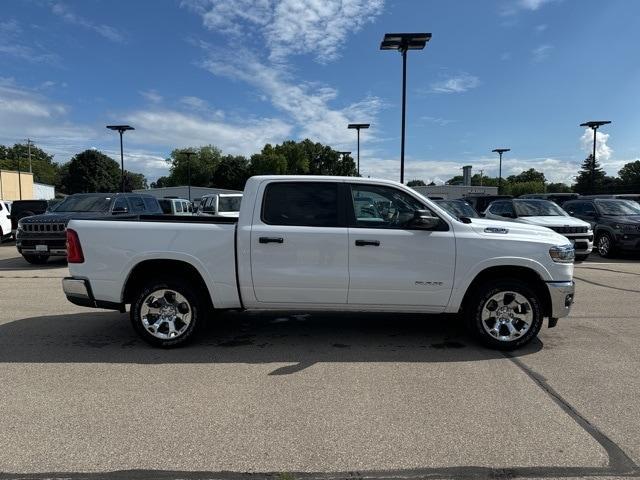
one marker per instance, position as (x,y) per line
(44,227)
(570,229)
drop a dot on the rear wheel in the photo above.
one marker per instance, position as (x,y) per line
(605,245)
(504,314)
(166,313)
(36,259)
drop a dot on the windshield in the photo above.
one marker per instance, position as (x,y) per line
(84,203)
(229,204)
(458,208)
(618,208)
(538,208)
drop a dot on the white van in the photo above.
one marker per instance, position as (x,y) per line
(176,206)
(221,205)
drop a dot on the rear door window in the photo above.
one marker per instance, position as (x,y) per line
(150,204)
(304,204)
(137,204)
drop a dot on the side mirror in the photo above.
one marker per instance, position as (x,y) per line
(424,220)
(119,210)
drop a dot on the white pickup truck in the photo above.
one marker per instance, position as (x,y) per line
(306,243)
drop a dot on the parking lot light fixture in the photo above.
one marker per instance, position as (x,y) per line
(404,42)
(358,126)
(500,151)
(121,129)
(594,125)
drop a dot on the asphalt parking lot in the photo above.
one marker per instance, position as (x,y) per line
(322,395)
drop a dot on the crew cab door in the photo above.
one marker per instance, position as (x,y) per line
(299,244)
(391,263)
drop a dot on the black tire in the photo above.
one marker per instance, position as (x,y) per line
(476,302)
(605,245)
(196,307)
(582,258)
(36,259)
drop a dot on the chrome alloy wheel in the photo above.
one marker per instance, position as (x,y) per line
(604,245)
(507,316)
(165,314)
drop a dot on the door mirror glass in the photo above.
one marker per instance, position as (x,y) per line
(424,220)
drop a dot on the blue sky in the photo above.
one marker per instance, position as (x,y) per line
(237,74)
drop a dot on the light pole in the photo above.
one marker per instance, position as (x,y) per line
(121,129)
(594,125)
(358,126)
(189,154)
(500,151)
(403,42)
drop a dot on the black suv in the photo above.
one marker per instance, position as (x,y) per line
(615,223)
(42,236)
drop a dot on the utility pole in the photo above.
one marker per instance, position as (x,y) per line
(481,172)
(29,143)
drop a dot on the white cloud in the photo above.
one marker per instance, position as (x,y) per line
(200,105)
(106,31)
(307,104)
(289,27)
(541,53)
(512,7)
(443,122)
(152,95)
(603,151)
(172,129)
(12,44)
(541,28)
(455,84)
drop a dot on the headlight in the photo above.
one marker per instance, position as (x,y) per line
(626,227)
(562,253)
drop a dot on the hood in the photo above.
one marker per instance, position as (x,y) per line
(553,221)
(61,217)
(516,229)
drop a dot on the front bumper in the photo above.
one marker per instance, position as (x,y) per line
(627,241)
(78,291)
(562,295)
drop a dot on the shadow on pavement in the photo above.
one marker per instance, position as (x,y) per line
(302,340)
(19,263)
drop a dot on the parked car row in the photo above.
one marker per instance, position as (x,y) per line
(610,223)
(39,227)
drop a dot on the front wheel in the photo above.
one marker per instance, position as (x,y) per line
(504,314)
(166,313)
(605,245)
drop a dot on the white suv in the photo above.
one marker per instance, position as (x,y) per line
(5,220)
(545,213)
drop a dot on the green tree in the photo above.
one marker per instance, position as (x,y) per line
(591,177)
(630,175)
(45,170)
(522,188)
(162,182)
(203,165)
(134,181)
(268,162)
(91,171)
(558,187)
(232,172)
(416,183)
(531,175)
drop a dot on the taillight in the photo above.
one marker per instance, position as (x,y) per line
(74,249)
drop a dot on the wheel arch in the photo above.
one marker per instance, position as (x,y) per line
(157,268)
(526,274)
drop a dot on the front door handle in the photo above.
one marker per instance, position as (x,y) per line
(271,240)
(364,243)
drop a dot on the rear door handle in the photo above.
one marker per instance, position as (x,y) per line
(364,243)
(271,240)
